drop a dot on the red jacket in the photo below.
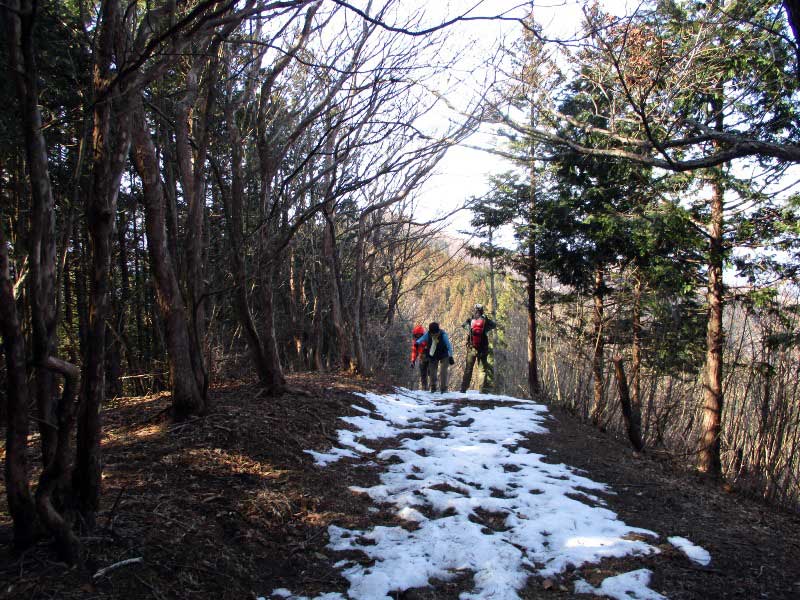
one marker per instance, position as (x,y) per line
(418,350)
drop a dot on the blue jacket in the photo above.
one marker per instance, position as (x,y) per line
(443,339)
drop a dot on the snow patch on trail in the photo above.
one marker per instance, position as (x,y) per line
(626,586)
(474,501)
(694,552)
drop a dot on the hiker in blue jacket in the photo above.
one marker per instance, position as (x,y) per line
(440,351)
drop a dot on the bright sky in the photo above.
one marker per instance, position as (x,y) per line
(464,172)
(444,480)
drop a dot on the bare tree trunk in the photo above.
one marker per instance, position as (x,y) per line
(636,346)
(191,165)
(598,404)
(296,309)
(263,350)
(274,381)
(20,501)
(342,340)
(492,289)
(356,322)
(534,387)
(709,460)
(630,413)
(531,268)
(110,146)
(709,455)
(255,345)
(317,335)
(57,472)
(187,397)
(20,20)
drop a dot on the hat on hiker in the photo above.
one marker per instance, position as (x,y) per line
(418,331)
(479,308)
(433,327)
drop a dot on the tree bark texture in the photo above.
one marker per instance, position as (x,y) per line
(636,345)
(191,167)
(263,350)
(274,380)
(598,405)
(342,341)
(110,146)
(20,21)
(56,473)
(709,460)
(631,414)
(187,395)
(356,320)
(20,501)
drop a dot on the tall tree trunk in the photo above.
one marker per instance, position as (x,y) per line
(357,324)
(631,414)
(263,350)
(598,405)
(271,380)
(342,341)
(636,348)
(56,473)
(492,276)
(274,380)
(20,500)
(296,309)
(110,146)
(187,396)
(317,334)
(531,271)
(171,198)
(709,455)
(20,21)
(191,169)
(709,460)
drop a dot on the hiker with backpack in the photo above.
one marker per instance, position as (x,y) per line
(419,355)
(478,350)
(440,355)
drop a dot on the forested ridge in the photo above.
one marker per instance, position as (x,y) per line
(204,196)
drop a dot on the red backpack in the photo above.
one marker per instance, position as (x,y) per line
(476,331)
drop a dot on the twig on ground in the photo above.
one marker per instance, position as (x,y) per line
(117,565)
(212,498)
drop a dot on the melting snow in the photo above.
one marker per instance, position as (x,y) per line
(695,553)
(474,502)
(626,586)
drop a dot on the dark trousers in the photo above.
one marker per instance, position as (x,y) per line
(424,365)
(435,366)
(485,371)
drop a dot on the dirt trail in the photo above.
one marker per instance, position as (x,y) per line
(229,506)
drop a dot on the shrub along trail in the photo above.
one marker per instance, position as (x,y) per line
(404,494)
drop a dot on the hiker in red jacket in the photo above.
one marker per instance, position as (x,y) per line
(478,350)
(419,355)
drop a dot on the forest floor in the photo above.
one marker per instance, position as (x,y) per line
(231,506)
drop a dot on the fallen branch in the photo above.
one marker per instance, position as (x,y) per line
(117,565)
